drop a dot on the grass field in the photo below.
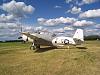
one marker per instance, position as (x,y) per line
(18,59)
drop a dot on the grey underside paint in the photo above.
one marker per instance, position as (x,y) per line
(41,39)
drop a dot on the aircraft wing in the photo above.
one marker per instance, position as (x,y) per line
(29,35)
(41,39)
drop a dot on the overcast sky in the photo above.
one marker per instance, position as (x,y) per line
(58,16)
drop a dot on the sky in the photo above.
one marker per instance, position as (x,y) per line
(62,17)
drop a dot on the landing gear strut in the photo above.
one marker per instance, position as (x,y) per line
(68,46)
(35,46)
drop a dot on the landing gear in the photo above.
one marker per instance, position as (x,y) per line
(35,46)
(68,46)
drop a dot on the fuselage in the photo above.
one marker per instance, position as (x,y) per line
(62,40)
(49,40)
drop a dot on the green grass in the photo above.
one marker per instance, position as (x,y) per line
(18,59)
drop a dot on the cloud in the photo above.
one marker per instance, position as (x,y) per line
(90,14)
(11,34)
(75,10)
(93,31)
(62,30)
(9,30)
(39,28)
(68,1)
(13,12)
(16,27)
(81,2)
(8,26)
(68,28)
(83,23)
(97,26)
(17,9)
(27,28)
(56,21)
(88,1)
(6,18)
(13,29)
(2,26)
(57,6)
(59,30)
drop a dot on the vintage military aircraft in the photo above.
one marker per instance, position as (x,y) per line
(38,39)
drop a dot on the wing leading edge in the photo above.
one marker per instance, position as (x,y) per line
(40,39)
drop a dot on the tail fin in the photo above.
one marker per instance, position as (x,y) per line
(78,36)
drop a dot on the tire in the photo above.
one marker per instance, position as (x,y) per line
(33,48)
(37,47)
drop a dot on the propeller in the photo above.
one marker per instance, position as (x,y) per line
(23,37)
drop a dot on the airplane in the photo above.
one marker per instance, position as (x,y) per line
(43,39)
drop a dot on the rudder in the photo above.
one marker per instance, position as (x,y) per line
(79,35)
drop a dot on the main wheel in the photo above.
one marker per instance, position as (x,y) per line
(33,47)
(36,47)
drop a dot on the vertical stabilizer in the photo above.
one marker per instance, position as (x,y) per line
(78,36)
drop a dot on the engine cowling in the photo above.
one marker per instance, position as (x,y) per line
(24,38)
